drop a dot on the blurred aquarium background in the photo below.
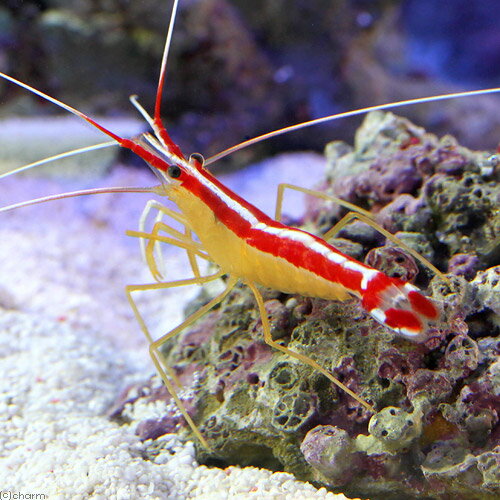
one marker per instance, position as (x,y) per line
(238,69)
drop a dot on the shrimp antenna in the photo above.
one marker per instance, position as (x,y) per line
(122,142)
(346,114)
(115,137)
(83,192)
(59,156)
(63,105)
(164,58)
(158,127)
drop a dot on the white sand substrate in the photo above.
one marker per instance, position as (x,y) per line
(69,345)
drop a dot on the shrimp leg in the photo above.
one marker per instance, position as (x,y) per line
(317,194)
(184,241)
(160,225)
(167,374)
(368,220)
(268,339)
(153,247)
(355,213)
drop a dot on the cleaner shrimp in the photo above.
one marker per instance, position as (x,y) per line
(245,244)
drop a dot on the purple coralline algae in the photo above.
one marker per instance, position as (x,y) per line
(436,432)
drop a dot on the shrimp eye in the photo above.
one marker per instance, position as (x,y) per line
(198,157)
(174,171)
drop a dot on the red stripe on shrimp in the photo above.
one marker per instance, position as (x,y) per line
(389,300)
(375,286)
(406,321)
(205,185)
(423,305)
(294,251)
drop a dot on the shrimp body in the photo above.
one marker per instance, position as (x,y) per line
(244,242)
(250,246)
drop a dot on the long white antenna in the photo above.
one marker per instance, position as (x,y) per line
(83,192)
(60,156)
(378,107)
(163,67)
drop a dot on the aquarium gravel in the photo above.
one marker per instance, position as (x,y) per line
(67,350)
(56,386)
